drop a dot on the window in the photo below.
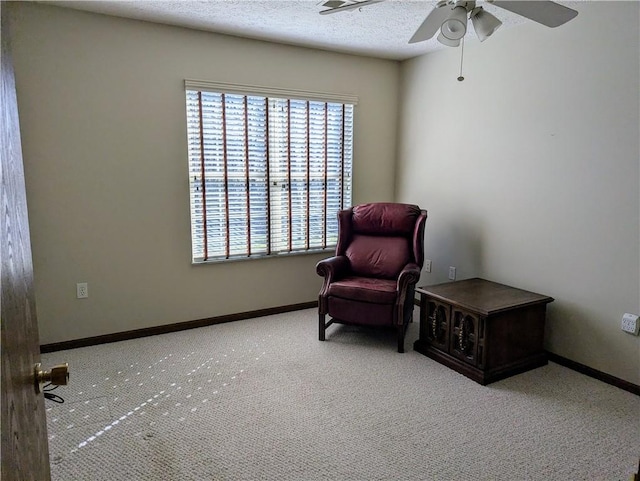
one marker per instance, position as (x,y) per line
(268,171)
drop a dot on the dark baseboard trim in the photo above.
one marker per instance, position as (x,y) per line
(209,321)
(594,373)
(180,326)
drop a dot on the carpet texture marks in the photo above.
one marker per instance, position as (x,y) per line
(263,399)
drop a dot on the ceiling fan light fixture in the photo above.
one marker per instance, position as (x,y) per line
(448,42)
(455,26)
(484,23)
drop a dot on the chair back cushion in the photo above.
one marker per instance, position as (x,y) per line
(385,219)
(378,256)
(381,238)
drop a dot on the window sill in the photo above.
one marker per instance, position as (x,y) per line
(329,250)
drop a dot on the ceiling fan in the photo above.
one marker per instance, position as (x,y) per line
(450,17)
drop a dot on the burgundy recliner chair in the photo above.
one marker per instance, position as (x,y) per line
(372,277)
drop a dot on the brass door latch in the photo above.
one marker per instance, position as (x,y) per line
(58,376)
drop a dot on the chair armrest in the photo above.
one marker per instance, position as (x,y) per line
(407,280)
(331,269)
(409,276)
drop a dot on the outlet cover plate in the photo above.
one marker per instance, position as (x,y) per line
(427,265)
(630,323)
(82,290)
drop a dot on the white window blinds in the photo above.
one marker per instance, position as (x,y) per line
(267,174)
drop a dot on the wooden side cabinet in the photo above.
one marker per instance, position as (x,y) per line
(484,330)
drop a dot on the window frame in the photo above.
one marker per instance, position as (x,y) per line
(269,94)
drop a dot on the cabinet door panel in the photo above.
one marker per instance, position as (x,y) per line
(437,327)
(464,336)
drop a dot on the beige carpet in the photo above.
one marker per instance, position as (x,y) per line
(264,399)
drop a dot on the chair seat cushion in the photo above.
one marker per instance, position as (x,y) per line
(365,289)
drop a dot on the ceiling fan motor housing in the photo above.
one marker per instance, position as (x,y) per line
(468,5)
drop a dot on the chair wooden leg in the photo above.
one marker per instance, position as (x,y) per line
(402,328)
(322,327)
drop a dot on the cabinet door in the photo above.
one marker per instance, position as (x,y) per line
(436,328)
(464,336)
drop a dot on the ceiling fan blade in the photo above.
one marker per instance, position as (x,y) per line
(351,6)
(431,24)
(547,13)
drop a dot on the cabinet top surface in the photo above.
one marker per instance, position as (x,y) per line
(483,296)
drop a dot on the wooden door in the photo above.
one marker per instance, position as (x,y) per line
(25,450)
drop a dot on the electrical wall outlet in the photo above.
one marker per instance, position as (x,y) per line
(452,273)
(82,290)
(427,265)
(630,323)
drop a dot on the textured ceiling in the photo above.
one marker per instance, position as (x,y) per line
(378,30)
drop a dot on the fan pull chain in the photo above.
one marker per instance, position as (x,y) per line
(461,78)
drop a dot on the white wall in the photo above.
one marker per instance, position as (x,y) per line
(530,169)
(102,114)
